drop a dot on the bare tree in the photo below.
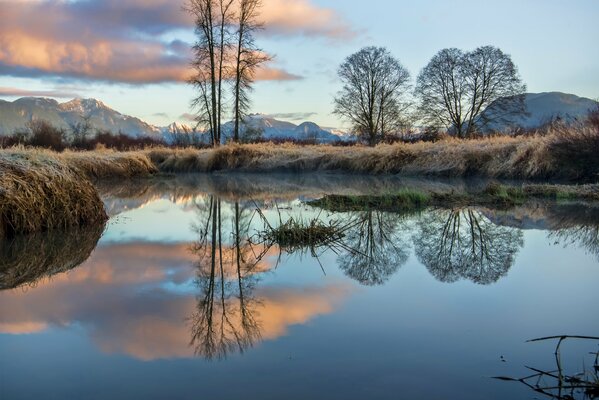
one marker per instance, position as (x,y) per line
(213,19)
(372,98)
(81,130)
(248,58)
(456,87)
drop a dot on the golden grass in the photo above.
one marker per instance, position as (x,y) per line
(531,157)
(40,193)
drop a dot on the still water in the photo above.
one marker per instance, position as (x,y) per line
(185,294)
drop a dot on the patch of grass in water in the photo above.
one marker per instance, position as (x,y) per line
(404,200)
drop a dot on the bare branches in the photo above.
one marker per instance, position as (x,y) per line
(456,87)
(372,98)
(225,53)
(248,57)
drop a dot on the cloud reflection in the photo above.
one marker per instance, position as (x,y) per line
(139,299)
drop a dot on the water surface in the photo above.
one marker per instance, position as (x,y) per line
(182,297)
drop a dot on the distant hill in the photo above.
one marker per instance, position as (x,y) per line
(15,115)
(543,108)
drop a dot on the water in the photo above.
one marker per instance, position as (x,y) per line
(183,296)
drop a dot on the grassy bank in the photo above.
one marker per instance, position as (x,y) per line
(43,193)
(493,195)
(567,154)
(43,190)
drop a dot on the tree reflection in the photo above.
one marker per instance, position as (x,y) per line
(463,244)
(576,225)
(376,251)
(224,321)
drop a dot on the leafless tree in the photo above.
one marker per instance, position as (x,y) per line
(81,130)
(372,98)
(213,19)
(248,58)
(456,87)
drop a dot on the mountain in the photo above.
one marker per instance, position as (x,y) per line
(274,129)
(543,108)
(15,115)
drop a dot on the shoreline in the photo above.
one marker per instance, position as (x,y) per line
(61,185)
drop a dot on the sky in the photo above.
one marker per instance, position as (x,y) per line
(134,54)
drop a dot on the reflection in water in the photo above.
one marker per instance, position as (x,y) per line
(377,251)
(576,225)
(159,300)
(559,384)
(139,299)
(25,260)
(224,321)
(464,244)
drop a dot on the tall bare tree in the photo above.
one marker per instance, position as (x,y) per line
(456,87)
(248,58)
(372,98)
(212,21)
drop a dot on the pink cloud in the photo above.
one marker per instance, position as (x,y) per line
(121,40)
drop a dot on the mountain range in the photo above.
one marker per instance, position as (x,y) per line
(541,107)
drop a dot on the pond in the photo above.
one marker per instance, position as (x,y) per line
(230,286)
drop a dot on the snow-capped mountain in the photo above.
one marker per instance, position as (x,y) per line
(543,108)
(270,128)
(15,115)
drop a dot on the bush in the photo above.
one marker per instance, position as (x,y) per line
(45,135)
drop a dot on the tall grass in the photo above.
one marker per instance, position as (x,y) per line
(565,153)
(562,153)
(40,194)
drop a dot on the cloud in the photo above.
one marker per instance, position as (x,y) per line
(301,17)
(297,116)
(187,117)
(14,92)
(160,114)
(122,40)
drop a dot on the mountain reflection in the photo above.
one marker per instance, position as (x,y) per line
(464,244)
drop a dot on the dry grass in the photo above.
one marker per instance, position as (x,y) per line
(560,154)
(40,193)
(27,259)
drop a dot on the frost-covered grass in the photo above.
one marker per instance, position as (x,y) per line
(40,192)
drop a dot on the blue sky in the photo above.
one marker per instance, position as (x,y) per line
(554,44)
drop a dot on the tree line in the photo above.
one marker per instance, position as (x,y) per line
(451,92)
